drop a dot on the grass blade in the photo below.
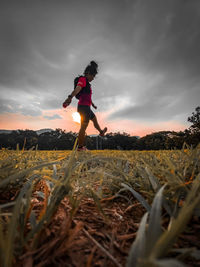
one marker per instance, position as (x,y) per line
(137,250)
(2,244)
(12,229)
(168,262)
(155,220)
(177,226)
(153,180)
(138,196)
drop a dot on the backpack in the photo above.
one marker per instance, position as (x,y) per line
(84,90)
(75,84)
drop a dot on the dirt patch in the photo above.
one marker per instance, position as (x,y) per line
(91,237)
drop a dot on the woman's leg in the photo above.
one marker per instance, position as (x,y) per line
(84,112)
(97,126)
(81,135)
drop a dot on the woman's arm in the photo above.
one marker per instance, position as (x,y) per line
(94,105)
(69,98)
(76,91)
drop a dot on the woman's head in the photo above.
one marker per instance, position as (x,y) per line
(91,70)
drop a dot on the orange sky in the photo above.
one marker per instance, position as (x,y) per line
(11,121)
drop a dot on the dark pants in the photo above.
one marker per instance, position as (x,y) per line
(86,113)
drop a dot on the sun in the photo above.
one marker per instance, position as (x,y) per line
(76,117)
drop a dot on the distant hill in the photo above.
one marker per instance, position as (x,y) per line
(95,135)
(38,131)
(41,131)
(5,131)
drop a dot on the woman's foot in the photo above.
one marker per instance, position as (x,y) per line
(82,148)
(102,133)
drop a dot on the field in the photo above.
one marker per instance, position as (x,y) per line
(100,208)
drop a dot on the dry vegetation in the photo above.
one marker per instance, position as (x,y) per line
(100,208)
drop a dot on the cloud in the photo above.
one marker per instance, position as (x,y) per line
(20,107)
(158,36)
(146,111)
(162,100)
(53,117)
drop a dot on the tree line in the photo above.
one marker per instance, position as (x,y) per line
(62,140)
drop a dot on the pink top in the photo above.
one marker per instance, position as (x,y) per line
(85,99)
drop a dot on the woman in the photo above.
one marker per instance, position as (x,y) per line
(83,91)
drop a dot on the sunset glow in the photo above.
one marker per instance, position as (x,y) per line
(76,117)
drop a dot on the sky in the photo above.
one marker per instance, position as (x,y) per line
(147,52)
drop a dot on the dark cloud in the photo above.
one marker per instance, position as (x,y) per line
(163,100)
(53,102)
(21,107)
(29,104)
(162,35)
(147,110)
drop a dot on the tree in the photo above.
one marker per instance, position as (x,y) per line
(154,141)
(195,120)
(194,129)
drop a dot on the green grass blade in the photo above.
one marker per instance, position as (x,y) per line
(155,220)
(138,197)
(6,205)
(58,193)
(12,228)
(168,263)
(153,180)
(24,173)
(138,247)
(2,244)
(177,226)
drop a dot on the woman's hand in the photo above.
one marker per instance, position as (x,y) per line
(94,106)
(67,102)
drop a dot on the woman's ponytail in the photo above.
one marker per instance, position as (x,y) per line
(92,68)
(94,64)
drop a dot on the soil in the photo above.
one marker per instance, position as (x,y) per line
(92,238)
(93,235)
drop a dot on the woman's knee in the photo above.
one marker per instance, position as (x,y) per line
(94,119)
(84,125)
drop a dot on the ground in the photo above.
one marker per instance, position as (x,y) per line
(92,238)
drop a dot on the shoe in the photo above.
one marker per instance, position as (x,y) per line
(83,148)
(103,131)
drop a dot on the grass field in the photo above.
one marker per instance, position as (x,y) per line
(100,208)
